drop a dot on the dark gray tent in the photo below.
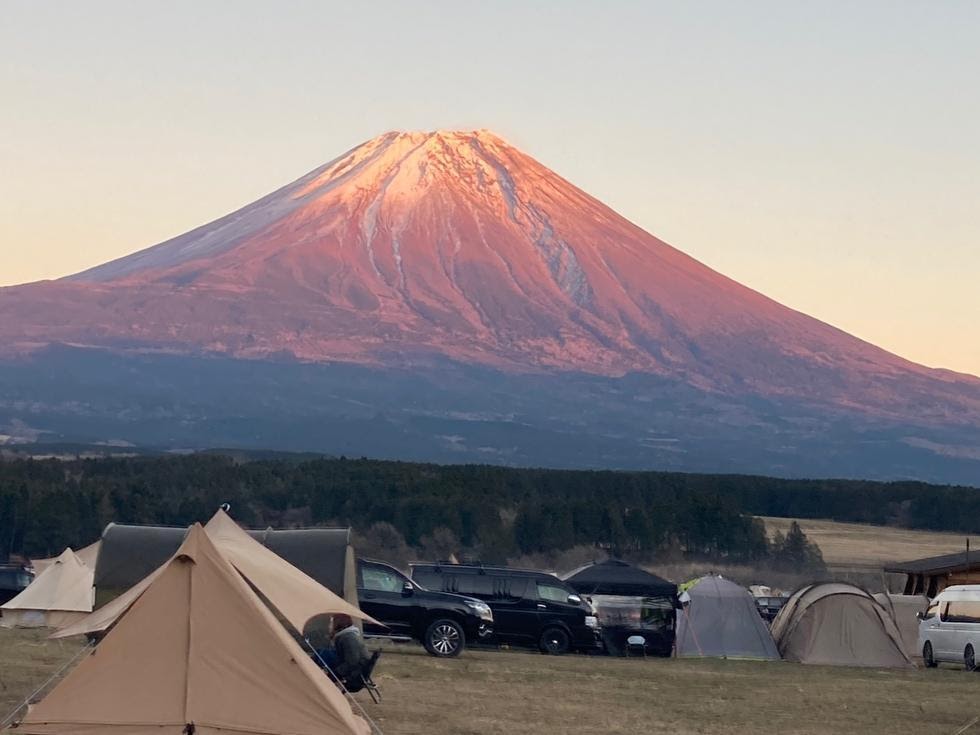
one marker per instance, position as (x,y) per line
(721,619)
(129,553)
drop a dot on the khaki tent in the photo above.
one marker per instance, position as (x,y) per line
(130,553)
(838,625)
(721,619)
(296,596)
(88,556)
(904,610)
(58,596)
(198,652)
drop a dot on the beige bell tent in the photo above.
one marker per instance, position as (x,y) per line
(838,625)
(89,556)
(197,652)
(60,595)
(295,595)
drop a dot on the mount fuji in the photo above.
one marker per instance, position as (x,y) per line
(444,296)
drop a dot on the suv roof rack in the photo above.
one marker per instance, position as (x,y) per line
(479,568)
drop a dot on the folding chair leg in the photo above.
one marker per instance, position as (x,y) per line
(373,691)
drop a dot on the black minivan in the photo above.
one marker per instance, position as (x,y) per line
(530,608)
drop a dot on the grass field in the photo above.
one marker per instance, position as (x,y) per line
(496,692)
(858,544)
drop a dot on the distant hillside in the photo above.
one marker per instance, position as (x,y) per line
(495,513)
(860,544)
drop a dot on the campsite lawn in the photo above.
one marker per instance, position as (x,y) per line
(490,692)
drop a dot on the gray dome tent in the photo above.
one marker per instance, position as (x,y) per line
(838,624)
(722,620)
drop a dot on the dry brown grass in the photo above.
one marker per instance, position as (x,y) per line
(497,692)
(857,544)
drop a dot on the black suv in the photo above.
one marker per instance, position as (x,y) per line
(14,579)
(442,622)
(530,608)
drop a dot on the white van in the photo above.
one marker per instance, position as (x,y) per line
(950,628)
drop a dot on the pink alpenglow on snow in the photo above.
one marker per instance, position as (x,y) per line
(457,245)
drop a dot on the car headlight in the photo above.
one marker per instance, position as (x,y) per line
(592,621)
(482,609)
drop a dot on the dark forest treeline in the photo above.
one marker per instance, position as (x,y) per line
(497,512)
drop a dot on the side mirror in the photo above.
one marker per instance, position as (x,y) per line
(920,615)
(408,589)
(574,600)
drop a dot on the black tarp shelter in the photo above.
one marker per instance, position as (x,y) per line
(615,577)
(630,603)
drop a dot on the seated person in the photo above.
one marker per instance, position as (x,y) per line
(350,653)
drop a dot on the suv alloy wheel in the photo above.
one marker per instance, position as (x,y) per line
(554,641)
(444,638)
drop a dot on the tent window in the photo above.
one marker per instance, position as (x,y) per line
(963,612)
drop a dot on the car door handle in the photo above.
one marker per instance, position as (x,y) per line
(542,606)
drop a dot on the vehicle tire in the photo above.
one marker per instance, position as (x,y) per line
(444,638)
(928,659)
(554,641)
(970,659)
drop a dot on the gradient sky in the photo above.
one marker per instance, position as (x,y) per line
(826,154)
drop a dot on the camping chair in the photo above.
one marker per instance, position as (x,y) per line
(636,645)
(361,679)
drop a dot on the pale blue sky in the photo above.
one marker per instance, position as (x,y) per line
(827,154)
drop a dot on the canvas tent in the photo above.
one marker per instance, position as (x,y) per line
(296,596)
(721,619)
(58,596)
(198,652)
(904,610)
(629,602)
(130,553)
(88,555)
(838,625)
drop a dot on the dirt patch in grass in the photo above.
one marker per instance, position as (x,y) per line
(496,692)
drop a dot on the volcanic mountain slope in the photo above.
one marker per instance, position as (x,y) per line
(418,248)
(457,244)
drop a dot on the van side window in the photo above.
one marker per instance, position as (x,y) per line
(962,612)
(428,580)
(552,593)
(478,585)
(931,611)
